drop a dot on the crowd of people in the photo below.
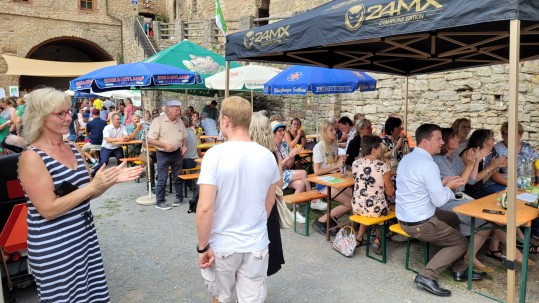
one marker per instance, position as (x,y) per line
(238,231)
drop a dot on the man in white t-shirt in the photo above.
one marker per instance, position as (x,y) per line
(237,191)
(113,135)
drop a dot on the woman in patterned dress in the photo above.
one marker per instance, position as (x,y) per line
(293,178)
(372,178)
(63,249)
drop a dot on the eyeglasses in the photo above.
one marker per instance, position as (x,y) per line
(62,115)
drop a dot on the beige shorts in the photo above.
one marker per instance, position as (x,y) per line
(88,147)
(245,271)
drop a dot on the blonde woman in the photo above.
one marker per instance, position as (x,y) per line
(326,161)
(260,132)
(62,238)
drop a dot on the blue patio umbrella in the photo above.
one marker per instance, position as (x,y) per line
(137,75)
(125,76)
(299,80)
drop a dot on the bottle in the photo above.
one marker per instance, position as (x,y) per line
(520,175)
(343,168)
(529,170)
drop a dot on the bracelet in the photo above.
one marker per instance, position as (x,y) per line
(205,249)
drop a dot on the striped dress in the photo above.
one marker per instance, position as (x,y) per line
(64,253)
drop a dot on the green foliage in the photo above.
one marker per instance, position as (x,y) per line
(162,17)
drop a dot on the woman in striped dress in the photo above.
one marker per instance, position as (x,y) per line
(63,250)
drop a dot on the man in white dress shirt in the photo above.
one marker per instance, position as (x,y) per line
(420,191)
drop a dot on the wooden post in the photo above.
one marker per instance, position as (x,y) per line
(405,105)
(514,58)
(227,79)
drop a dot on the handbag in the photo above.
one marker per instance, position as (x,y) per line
(286,217)
(345,241)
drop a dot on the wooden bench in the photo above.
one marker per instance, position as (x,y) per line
(187,171)
(396,228)
(304,197)
(371,223)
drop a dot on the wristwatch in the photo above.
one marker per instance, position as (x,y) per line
(205,249)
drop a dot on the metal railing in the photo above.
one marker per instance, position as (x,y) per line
(143,39)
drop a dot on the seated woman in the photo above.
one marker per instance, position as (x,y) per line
(498,181)
(482,141)
(363,128)
(394,141)
(462,127)
(451,164)
(295,178)
(295,135)
(326,161)
(372,178)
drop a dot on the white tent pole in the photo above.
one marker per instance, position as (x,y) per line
(405,105)
(146,200)
(317,115)
(252,102)
(227,79)
(514,56)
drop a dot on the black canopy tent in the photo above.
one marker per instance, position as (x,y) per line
(408,37)
(402,37)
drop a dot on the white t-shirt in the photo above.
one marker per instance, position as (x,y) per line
(243,173)
(325,159)
(110,132)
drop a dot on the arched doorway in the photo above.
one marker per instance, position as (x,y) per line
(66,49)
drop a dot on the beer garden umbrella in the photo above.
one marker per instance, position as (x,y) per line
(193,57)
(300,80)
(244,78)
(134,75)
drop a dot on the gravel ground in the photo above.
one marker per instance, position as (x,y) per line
(150,256)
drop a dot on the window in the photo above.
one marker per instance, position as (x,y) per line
(87,5)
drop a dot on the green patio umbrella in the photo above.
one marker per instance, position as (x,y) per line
(190,56)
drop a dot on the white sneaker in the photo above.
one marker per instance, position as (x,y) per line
(319,204)
(299,218)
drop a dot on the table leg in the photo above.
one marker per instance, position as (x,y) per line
(328,211)
(470,255)
(524,273)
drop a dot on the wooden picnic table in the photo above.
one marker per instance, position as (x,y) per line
(207,145)
(524,215)
(208,137)
(337,182)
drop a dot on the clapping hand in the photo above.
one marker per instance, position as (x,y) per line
(453,182)
(499,162)
(469,157)
(294,152)
(129,173)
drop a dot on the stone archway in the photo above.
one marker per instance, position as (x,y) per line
(67,49)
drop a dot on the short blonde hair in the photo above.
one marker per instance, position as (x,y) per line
(41,103)
(362,123)
(260,131)
(505,128)
(238,110)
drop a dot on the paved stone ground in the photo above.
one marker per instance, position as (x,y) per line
(150,256)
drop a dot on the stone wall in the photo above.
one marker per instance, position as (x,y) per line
(26,26)
(480,94)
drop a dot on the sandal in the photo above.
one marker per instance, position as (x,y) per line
(534,249)
(376,246)
(360,243)
(497,255)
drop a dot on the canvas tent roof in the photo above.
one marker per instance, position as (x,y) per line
(43,68)
(394,36)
